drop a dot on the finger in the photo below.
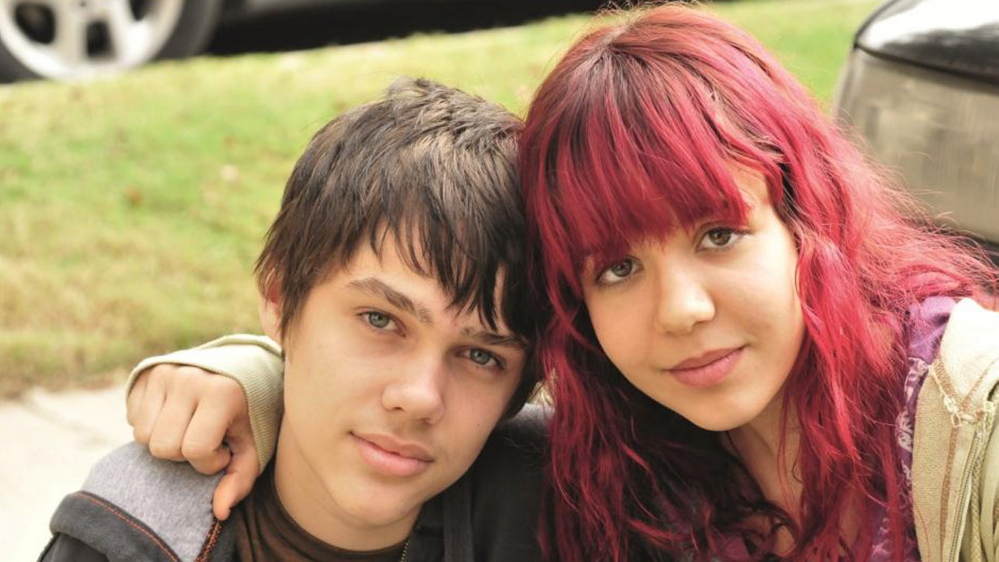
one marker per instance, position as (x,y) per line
(203,441)
(167,437)
(209,462)
(242,472)
(237,482)
(134,400)
(221,415)
(149,406)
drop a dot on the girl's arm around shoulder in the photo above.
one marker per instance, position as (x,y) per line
(255,363)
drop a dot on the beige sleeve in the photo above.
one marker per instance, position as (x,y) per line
(990,495)
(256,363)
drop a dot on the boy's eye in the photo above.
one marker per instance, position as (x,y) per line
(378,320)
(482,357)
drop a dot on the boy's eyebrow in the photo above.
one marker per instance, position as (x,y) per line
(379,288)
(397,299)
(494,339)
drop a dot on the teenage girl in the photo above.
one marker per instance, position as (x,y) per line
(758,346)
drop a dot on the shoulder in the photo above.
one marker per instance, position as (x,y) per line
(506,488)
(955,447)
(136,507)
(967,366)
(64,548)
(516,448)
(958,395)
(527,431)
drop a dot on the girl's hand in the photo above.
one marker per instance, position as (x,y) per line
(184,413)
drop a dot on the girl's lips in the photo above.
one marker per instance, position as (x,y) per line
(707,370)
(387,462)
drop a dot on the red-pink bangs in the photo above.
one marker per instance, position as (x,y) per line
(623,164)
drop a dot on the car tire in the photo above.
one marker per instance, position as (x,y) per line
(189,35)
(194,30)
(592,6)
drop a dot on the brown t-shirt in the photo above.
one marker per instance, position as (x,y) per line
(265,532)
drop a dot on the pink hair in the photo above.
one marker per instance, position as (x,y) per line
(632,135)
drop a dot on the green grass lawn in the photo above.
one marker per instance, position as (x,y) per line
(131,209)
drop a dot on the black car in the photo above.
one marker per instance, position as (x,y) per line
(921,88)
(77,39)
(71,39)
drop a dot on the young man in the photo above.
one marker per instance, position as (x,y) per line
(394,278)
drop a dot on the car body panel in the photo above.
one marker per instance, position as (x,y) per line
(938,131)
(921,93)
(954,36)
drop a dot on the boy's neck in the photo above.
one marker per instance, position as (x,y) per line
(304,497)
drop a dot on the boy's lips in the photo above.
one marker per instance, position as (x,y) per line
(396,446)
(392,457)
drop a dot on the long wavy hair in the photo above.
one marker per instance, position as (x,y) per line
(632,135)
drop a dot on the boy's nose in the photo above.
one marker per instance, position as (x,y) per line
(418,391)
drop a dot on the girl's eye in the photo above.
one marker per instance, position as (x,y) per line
(378,320)
(483,358)
(617,272)
(720,238)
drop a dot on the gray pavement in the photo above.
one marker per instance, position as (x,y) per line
(50,441)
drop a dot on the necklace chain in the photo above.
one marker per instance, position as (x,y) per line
(405,550)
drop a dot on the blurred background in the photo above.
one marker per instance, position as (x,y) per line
(132,205)
(71,39)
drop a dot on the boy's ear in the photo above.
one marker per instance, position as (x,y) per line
(269,307)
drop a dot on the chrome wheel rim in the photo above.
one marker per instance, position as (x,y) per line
(75,39)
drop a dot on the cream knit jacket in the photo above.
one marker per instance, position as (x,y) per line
(955,465)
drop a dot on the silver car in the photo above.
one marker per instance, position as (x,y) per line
(921,88)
